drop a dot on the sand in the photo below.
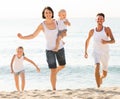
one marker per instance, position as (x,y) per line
(88,93)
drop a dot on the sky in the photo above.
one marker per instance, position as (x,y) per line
(74,8)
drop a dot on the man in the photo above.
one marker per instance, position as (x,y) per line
(102,36)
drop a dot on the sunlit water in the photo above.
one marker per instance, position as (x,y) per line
(78,73)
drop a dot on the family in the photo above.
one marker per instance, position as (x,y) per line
(55,31)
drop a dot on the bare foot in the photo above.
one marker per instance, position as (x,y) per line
(98,86)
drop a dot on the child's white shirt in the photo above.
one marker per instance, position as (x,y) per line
(61,24)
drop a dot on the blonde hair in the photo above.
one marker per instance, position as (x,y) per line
(62,10)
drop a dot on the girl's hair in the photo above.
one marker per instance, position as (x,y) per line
(48,8)
(20,47)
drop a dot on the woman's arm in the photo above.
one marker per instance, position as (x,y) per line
(11,65)
(31,36)
(27,59)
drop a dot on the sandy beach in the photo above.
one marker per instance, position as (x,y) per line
(88,93)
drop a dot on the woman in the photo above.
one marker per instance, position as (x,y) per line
(50,29)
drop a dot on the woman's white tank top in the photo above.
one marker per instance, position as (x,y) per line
(51,36)
(18,64)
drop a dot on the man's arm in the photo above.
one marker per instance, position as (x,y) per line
(109,34)
(67,22)
(87,42)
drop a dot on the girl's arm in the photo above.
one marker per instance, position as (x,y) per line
(11,65)
(31,36)
(27,59)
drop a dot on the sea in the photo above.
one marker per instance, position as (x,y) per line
(78,72)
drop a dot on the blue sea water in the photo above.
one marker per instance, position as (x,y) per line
(78,73)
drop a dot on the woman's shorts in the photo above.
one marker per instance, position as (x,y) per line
(53,56)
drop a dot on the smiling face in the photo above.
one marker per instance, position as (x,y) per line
(100,19)
(62,15)
(20,52)
(47,13)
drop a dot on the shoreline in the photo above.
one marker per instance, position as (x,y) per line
(84,93)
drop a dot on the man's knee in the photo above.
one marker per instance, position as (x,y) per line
(97,67)
(104,74)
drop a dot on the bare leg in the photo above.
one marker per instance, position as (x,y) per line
(57,43)
(22,75)
(59,68)
(103,76)
(16,77)
(97,74)
(53,78)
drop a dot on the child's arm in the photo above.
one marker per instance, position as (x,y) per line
(11,65)
(38,69)
(67,22)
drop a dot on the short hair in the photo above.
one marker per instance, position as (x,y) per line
(101,14)
(62,10)
(48,8)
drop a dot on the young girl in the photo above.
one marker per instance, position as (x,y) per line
(18,69)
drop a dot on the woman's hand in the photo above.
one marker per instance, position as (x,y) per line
(20,35)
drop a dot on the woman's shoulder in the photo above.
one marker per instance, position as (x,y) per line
(40,26)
